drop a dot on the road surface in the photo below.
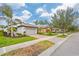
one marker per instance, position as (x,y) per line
(69,48)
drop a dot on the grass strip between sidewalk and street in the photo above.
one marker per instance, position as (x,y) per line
(32,50)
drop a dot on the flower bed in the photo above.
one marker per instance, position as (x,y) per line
(32,50)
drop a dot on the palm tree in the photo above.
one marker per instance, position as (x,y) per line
(7,11)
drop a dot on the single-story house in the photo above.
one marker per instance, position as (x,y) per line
(30,29)
(27,29)
(43,29)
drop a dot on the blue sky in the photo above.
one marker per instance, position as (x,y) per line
(28,12)
(36,16)
(32,8)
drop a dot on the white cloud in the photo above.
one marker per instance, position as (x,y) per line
(39,10)
(42,12)
(45,14)
(26,15)
(52,11)
(63,6)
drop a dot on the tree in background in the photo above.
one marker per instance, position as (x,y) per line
(36,22)
(63,19)
(41,22)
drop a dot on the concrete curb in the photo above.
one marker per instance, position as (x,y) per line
(52,49)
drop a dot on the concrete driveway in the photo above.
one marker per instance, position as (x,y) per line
(69,48)
(40,36)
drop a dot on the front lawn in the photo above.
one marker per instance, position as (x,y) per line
(32,50)
(62,36)
(48,34)
(6,41)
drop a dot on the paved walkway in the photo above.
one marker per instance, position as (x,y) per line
(69,48)
(39,36)
(50,38)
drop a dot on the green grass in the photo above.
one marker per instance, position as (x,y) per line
(45,42)
(51,34)
(48,34)
(6,41)
(62,36)
(32,50)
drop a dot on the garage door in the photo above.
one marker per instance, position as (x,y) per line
(31,31)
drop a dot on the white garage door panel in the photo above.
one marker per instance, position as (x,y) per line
(31,31)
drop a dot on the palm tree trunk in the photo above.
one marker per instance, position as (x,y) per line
(8,32)
(11,29)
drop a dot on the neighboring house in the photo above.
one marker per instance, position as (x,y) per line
(27,29)
(43,29)
(56,30)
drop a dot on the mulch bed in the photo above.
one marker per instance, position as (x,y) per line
(32,50)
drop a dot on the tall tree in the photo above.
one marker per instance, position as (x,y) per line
(63,19)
